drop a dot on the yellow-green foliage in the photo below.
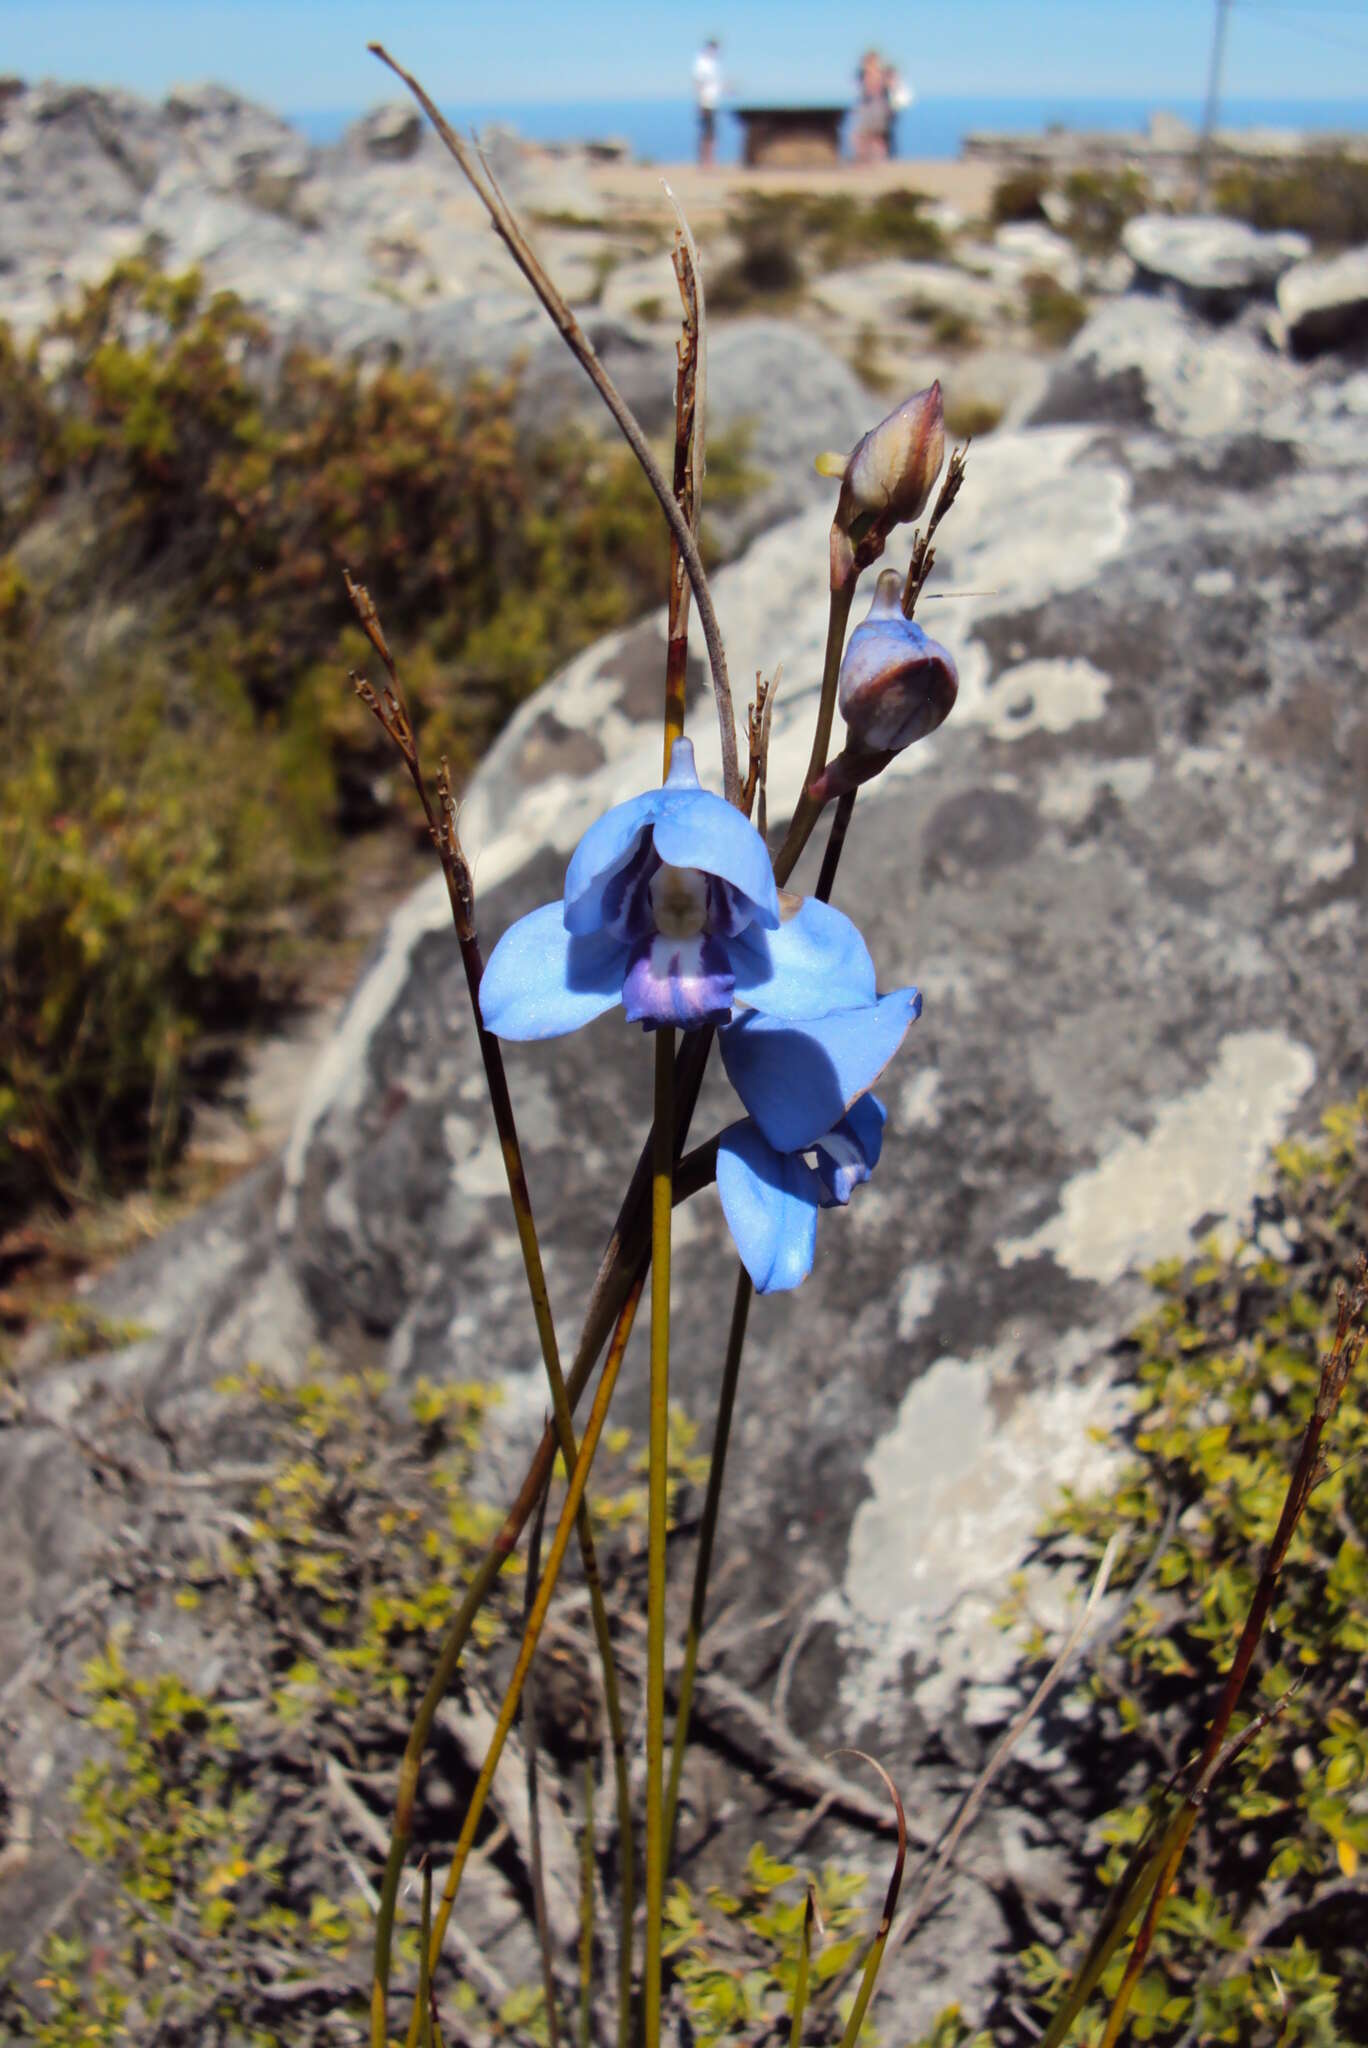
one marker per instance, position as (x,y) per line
(181,749)
(735,1953)
(968,419)
(1096,204)
(208,1807)
(1273,1887)
(1324,194)
(1099,205)
(207,1813)
(1020,195)
(1053,313)
(780,232)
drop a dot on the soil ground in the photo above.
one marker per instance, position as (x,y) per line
(705,194)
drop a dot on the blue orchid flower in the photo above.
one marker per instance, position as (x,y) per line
(671,909)
(814,1132)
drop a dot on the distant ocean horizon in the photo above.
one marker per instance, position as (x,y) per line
(665,131)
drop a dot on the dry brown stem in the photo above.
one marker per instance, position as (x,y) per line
(509,229)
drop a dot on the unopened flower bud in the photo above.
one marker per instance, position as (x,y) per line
(897,683)
(893,469)
(887,479)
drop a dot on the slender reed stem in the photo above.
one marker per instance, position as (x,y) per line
(507,227)
(831,859)
(869,1976)
(392,712)
(424,1975)
(800,1984)
(531,1744)
(807,812)
(527,1648)
(726,1402)
(685,480)
(662,1178)
(586,1940)
(616,1292)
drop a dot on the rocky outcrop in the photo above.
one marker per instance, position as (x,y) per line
(327,243)
(1213,265)
(1149,363)
(1324,303)
(1129,875)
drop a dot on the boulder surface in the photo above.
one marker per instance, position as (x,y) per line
(1129,876)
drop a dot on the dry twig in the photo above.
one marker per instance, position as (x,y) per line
(508,228)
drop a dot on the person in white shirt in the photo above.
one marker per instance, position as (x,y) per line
(707,78)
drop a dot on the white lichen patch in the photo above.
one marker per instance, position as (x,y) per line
(919,1101)
(957,1488)
(1044,696)
(477,1167)
(1323,863)
(917,1292)
(1204,1156)
(1072,788)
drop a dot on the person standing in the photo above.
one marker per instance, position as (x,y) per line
(707,78)
(898,96)
(871,110)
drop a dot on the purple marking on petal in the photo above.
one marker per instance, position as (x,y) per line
(678,981)
(625,907)
(730,910)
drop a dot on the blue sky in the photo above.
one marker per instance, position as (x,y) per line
(305,54)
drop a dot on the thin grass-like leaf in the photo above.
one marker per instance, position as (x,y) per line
(586,1940)
(800,1988)
(873,1961)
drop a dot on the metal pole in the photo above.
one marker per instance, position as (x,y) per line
(1213,100)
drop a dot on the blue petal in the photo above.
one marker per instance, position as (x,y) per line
(541,981)
(678,981)
(693,829)
(607,846)
(770,1203)
(848,1153)
(814,963)
(797,1080)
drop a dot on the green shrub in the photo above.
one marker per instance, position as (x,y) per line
(138,897)
(182,752)
(1020,195)
(1053,313)
(1100,203)
(735,1952)
(781,234)
(228,1823)
(768,266)
(1323,194)
(1272,1883)
(970,419)
(894,224)
(1096,203)
(951,329)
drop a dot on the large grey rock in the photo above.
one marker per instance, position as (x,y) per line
(1149,362)
(1324,303)
(1215,265)
(1129,876)
(779,387)
(889,293)
(1021,247)
(542,182)
(390,133)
